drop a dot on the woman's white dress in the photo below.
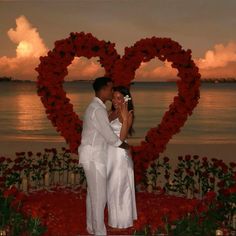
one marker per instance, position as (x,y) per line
(120,186)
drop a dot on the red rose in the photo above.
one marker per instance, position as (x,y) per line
(187,157)
(212,180)
(205,174)
(2,159)
(34,213)
(166,159)
(202,207)
(191,173)
(18,199)
(225,192)
(2,178)
(232,164)
(221,184)
(8,160)
(18,160)
(232,189)
(167,176)
(10,192)
(177,171)
(210,196)
(30,154)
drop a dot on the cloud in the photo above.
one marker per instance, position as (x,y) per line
(30,47)
(219,62)
(28,39)
(221,56)
(227,71)
(82,68)
(156,73)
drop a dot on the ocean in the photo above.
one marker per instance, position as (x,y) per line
(22,115)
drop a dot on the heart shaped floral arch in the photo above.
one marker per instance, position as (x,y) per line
(53,69)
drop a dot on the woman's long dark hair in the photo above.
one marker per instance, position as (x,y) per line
(125,91)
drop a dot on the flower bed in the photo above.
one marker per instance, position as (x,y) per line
(197,196)
(32,171)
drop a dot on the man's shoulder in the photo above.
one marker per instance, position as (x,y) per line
(94,106)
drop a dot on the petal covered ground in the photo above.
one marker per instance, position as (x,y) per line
(63,211)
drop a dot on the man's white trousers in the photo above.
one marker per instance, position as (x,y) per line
(96,198)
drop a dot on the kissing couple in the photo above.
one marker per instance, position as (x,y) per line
(106,159)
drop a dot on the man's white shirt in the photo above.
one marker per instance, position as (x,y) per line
(97,133)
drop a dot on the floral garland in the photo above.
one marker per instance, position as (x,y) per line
(53,69)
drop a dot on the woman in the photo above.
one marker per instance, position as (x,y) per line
(120,175)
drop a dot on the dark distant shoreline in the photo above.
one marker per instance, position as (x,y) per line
(221,80)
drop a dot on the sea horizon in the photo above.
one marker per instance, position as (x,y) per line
(203,80)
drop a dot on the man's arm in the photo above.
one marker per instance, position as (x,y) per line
(103,126)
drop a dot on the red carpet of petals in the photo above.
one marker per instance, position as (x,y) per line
(63,211)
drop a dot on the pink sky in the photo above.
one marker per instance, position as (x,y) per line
(219,60)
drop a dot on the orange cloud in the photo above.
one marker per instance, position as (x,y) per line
(158,73)
(219,62)
(30,47)
(29,42)
(82,68)
(227,71)
(219,57)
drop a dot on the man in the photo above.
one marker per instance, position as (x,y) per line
(96,136)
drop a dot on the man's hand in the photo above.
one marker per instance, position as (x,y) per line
(125,145)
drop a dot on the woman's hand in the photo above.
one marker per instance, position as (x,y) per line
(123,110)
(124,113)
(126,117)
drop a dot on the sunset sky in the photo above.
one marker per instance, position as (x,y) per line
(28,29)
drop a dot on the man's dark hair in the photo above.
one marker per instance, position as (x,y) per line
(100,83)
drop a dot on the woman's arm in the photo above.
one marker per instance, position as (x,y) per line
(127,119)
(125,127)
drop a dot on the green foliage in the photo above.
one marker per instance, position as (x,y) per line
(12,219)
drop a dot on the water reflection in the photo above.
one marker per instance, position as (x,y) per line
(80,101)
(22,114)
(29,113)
